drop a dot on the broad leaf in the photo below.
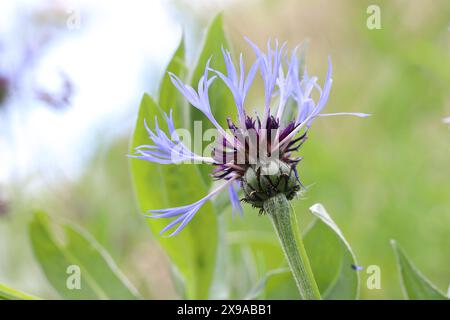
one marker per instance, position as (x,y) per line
(220,287)
(77,254)
(169,96)
(415,285)
(259,289)
(158,186)
(7,293)
(258,252)
(331,258)
(221,100)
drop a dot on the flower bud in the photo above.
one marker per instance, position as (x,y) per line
(261,182)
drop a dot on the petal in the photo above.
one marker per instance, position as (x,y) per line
(187,91)
(200,99)
(167,150)
(357,114)
(269,65)
(185,213)
(237,83)
(250,76)
(234,199)
(326,90)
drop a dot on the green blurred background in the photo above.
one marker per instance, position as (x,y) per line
(384,177)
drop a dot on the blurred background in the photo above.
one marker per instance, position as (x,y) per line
(72,74)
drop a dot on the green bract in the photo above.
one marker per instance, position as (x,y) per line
(259,186)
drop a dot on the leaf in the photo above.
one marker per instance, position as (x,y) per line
(258,290)
(220,97)
(331,257)
(415,285)
(7,293)
(169,96)
(264,253)
(157,186)
(220,287)
(100,276)
(221,100)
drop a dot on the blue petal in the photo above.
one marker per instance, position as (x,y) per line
(237,83)
(269,65)
(183,214)
(234,199)
(166,150)
(356,114)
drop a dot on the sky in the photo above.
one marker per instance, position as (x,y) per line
(113,53)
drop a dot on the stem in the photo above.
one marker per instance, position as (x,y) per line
(285,224)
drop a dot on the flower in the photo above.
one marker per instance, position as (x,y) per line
(257,153)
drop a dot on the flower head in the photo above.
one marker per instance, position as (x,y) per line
(256,153)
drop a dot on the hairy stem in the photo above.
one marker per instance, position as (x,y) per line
(285,224)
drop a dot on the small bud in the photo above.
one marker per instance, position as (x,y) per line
(259,187)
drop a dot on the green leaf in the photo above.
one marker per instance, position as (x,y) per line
(99,275)
(331,258)
(264,254)
(221,100)
(169,96)
(7,293)
(192,251)
(220,287)
(259,289)
(415,285)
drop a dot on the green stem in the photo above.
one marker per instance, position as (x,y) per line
(285,224)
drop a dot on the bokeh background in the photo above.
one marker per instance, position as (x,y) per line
(72,74)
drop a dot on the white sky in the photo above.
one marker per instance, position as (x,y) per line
(107,59)
(116,55)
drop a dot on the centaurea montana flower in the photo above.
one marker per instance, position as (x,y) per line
(234,159)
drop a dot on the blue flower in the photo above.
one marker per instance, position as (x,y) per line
(167,150)
(237,83)
(234,159)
